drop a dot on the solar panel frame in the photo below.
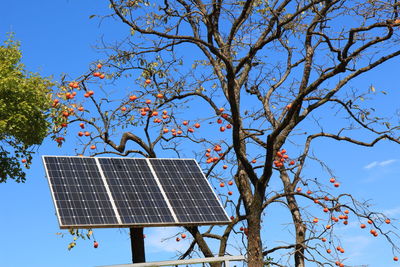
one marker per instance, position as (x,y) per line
(120,225)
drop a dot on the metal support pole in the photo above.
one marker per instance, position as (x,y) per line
(137,245)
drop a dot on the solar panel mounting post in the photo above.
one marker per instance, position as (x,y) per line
(137,245)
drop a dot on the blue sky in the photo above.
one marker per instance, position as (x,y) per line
(58,37)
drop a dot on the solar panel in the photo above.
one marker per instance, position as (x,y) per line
(127,192)
(79,194)
(136,193)
(190,194)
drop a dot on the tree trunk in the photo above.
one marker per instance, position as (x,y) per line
(254,245)
(300,231)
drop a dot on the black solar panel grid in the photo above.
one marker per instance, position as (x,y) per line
(123,192)
(79,194)
(188,191)
(136,194)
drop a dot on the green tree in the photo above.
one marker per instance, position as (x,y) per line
(24,109)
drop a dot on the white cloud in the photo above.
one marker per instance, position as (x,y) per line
(379,163)
(371,165)
(163,240)
(392,212)
(387,162)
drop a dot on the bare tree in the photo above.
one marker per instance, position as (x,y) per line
(267,71)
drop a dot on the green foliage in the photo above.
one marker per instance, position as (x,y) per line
(24,106)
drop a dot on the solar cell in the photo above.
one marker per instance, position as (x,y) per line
(190,194)
(79,194)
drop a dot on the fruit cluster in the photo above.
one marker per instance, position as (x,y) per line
(281,158)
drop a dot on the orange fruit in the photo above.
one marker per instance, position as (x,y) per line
(217,148)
